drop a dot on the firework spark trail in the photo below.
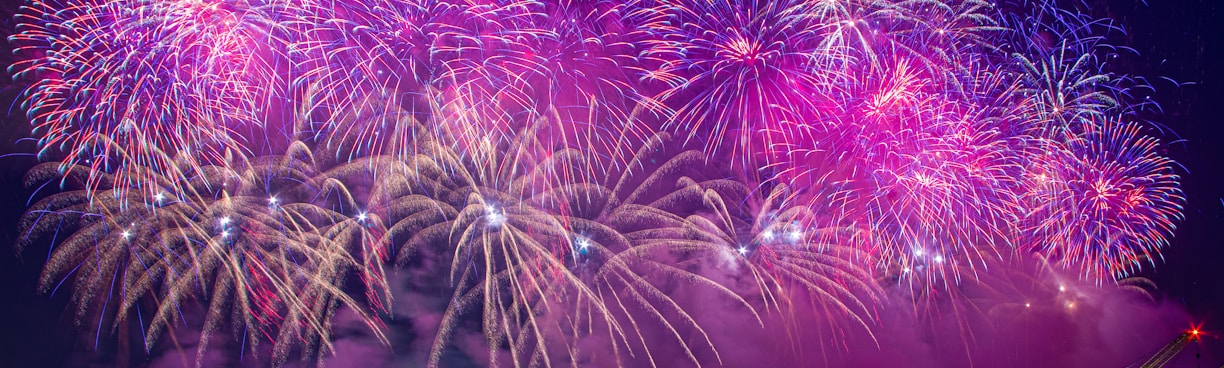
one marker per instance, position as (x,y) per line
(528,145)
(263,263)
(542,248)
(479,70)
(375,58)
(784,250)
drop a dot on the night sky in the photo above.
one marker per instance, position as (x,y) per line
(1181,40)
(1177,39)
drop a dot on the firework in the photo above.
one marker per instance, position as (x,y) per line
(117,82)
(733,69)
(543,248)
(1104,202)
(363,69)
(241,244)
(480,70)
(782,247)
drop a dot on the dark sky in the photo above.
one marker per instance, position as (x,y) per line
(1181,40)
(1178,39)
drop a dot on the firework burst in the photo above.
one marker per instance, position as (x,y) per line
(146,76)
(1105,202)
(242,245)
